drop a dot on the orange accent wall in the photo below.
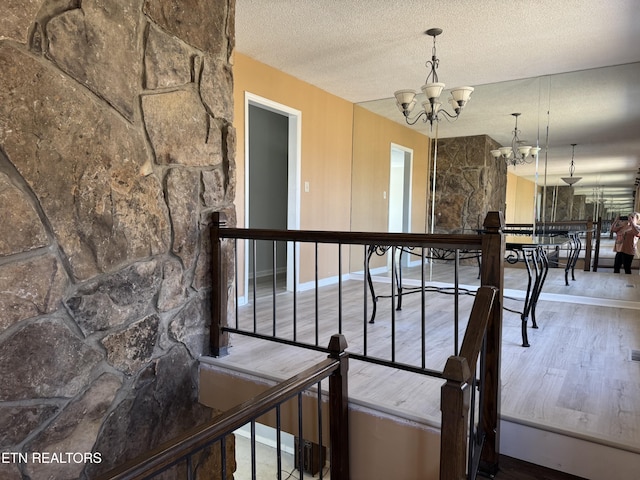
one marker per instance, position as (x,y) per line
(326,142)
(345,158)
(345,152)
(326,146)
(372,139)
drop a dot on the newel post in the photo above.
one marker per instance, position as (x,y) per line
(493,250)
(455,400)
(339,409)
(218,340)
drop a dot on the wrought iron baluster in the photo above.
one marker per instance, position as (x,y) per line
(255,287)
(319,406)
(237,287)
(300,448)
(393,303)
(423,316)
(295,291)
(278,442)
(253,449)
(317,300)
(274,281)
(339,288)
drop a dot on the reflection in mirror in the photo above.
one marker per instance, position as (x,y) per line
(592,108)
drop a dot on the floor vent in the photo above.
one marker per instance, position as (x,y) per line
(635,355)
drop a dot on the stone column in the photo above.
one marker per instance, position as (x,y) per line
(579,211)
(563,203)
(469,183)
(116,144)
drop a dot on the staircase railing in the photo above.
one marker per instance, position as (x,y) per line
(193,441)
(467,444)
(589,228)
(490,243)
(458,396)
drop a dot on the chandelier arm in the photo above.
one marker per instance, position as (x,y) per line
(413,121)
(448,115)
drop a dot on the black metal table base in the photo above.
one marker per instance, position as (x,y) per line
(537,265)
(533,256)
(436,254)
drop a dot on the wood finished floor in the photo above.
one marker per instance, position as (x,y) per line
(514,469)
(577,377)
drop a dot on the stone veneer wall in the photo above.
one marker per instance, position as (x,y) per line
(591,208)
(469,183)
(116,143)
(563,209)
(578,212)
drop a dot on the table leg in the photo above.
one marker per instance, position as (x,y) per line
(567,267)
(528,256)
(370,250)
(399,279)
(577,248)
(542,268)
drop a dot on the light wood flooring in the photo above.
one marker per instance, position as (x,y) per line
(579,376)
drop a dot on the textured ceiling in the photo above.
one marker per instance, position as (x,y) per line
(518,55)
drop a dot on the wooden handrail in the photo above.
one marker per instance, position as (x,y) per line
(456,392)
(460,240)
(335,367)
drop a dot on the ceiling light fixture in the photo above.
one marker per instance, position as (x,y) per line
(432,108)
(570,180)
(517,153)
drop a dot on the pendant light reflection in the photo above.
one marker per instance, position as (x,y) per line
(571,180)
(517,153)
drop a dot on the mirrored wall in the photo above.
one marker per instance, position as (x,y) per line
(594,109)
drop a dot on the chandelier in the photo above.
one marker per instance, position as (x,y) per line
(570,180)
(432,108)
(517,153)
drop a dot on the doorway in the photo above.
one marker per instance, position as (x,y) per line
(400,171)
(400,189)
(272,179)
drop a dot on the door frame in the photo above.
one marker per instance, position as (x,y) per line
(407,193)
(293,181)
